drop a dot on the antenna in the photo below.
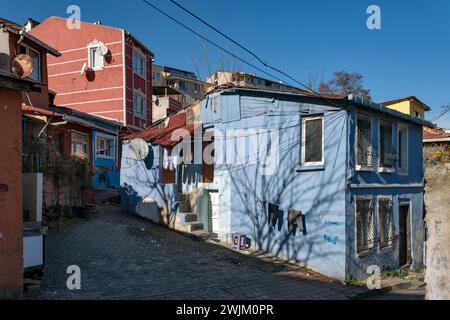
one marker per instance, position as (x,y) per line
(22,66)
(83,69)
(138,149)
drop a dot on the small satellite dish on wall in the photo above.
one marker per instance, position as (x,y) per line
(138,149)
(22,66)
(83,69)
(103,50)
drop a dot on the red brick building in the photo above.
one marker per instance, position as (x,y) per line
(102,70)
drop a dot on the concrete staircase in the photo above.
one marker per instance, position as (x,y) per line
(187,221)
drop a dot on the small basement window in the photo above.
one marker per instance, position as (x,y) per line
(365,233)
(312,141)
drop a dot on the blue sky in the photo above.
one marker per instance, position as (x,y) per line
(410,55)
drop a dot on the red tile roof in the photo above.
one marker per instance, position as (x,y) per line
(435,134)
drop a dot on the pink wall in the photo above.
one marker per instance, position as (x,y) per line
(104,94)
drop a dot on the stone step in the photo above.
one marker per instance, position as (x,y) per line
(183,197)
(184,206)
(200,234)
(185,217)
(194,226)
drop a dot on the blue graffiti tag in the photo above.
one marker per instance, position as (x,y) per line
(329,239)
(335,223)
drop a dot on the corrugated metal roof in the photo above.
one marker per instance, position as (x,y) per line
(163,135)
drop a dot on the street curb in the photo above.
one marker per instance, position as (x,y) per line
(384,289)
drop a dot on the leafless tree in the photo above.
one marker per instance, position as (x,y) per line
(345,83)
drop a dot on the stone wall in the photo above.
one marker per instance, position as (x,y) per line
(437,202)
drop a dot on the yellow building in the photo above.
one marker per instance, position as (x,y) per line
(409,105)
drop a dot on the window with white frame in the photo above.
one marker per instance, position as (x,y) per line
(96,60)
(312,141)
(385,222)
(196,87)
(365,233)
(386,153)
(139,105)
(80,143)
(104,146)
(363,140)
(402,161)
(139,63)
(36,58)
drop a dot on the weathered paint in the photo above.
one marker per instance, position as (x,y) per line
(324,194)
(11,225)
(106,167)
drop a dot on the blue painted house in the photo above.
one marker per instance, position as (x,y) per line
(332,183)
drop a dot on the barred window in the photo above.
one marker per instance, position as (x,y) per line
(385,222)
(386,155)
(364,140)
(364,224)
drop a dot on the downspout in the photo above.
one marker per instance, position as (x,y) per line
(124,75)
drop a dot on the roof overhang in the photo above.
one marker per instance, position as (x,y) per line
(437,140)
(13,82)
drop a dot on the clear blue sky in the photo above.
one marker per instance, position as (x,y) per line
(410,55)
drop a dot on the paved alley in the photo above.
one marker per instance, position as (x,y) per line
(124,257)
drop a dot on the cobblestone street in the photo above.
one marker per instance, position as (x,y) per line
(124,257)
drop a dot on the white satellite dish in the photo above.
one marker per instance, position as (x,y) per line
(83,69)
(103,50)
(138,149)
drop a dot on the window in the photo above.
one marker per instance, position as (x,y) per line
(96,60)
(276,86)
(386,155)
(402,163)
(364,224)
(104,147)
(312,141)
(183,85)
(36,58)
(416,114)
(196,88)
(80,143)
(363,141)
(259,82)
(385,222)
(138,63)
(156,75)
(139,105)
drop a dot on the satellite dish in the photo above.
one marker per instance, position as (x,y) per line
(83,69)
(138,149)
(103,50)
(22,65)
(155,100)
